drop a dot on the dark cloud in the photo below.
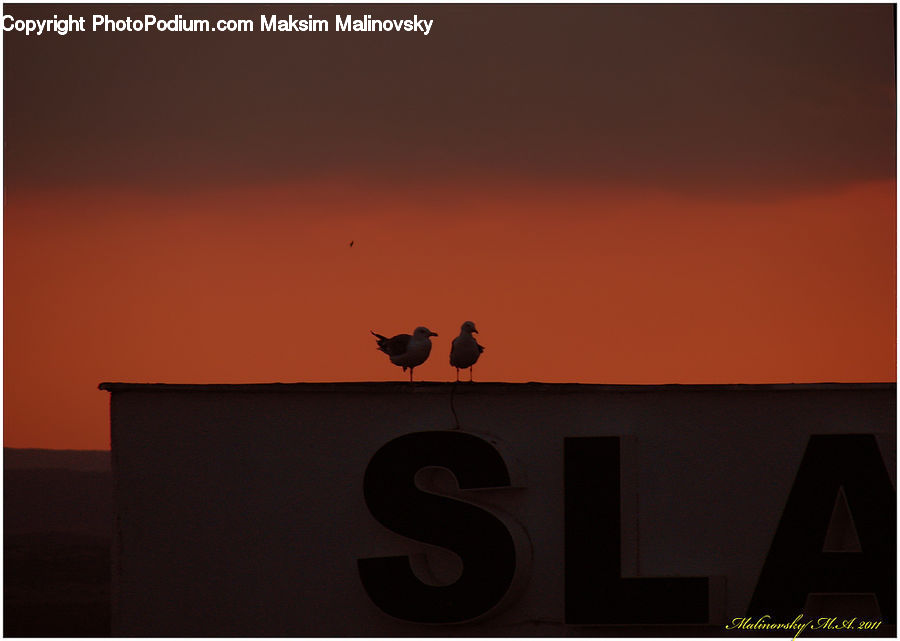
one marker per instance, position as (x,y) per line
(695,96)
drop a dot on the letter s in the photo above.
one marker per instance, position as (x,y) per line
(483,542)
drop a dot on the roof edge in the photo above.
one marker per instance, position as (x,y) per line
(426,386)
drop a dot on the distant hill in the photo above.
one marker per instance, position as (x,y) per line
(80,460)
(61,491)
(57,500)
(57,531)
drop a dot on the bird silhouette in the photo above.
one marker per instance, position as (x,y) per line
(407,351)
(465,350)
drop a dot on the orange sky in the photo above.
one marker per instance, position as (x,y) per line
(613,193)
(616,289)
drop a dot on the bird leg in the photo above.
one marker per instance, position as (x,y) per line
(471,373)
(457,375)
(410,373)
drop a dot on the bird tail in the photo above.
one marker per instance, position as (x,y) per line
(381,340)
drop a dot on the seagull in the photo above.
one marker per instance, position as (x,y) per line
(465,349)
(405,350)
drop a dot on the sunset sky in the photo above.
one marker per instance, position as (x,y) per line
(614,194)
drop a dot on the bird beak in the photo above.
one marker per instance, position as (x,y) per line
(432,334)
(474,331)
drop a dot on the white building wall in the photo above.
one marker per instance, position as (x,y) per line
(240,509)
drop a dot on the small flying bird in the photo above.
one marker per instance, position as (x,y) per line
(351,243)
(465,350)
(405,350)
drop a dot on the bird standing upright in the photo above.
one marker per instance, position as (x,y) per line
(405,350)
(465,350)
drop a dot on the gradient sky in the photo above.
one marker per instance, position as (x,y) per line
(614,194)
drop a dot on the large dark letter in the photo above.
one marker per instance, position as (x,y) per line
(797,564)
(482,541)
(596,593)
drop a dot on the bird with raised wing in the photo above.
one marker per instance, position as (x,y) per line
(407,351)
(465,350)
